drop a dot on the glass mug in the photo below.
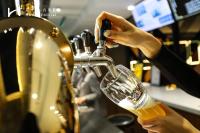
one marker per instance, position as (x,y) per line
(128,92)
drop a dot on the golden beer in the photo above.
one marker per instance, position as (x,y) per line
(150,110)
(151,113)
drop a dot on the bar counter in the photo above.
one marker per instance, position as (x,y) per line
(177,98)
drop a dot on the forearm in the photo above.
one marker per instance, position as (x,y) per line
(150,48)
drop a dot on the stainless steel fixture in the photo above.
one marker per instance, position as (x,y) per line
(94,60)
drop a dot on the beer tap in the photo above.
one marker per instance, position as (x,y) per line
(77,42)
(87,41)
(72,46)
(101,48)
(98,57)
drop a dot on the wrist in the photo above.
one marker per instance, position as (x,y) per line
(151,48)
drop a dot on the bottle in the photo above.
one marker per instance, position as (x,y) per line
(127,91)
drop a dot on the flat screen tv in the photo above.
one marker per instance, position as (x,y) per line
(184,8)
(152,14)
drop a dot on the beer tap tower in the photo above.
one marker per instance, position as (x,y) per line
(98,57)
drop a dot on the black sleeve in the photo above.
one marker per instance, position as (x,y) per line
(177,71)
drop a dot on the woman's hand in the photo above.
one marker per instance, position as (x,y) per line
(171,123)
(125,33)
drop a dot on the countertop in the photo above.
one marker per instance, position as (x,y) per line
(175,98)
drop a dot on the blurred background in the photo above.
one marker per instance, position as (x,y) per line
(174,22)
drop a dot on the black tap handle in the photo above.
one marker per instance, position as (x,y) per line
(78,42)
(106,25)
(87,37)
(72,46)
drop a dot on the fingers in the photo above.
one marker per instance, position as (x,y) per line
(150,132)
(167,109)
(111,44)
(154,129)
(153,126)
(115,20)
(148,123)
(119,37)
(96,32)
(116,28)
(115,35)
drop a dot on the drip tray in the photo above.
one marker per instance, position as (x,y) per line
(121,119)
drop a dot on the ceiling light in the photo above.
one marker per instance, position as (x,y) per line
(58,10)
(130,7)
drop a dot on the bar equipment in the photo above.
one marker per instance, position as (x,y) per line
(98,57)
(119,84)
(35,88)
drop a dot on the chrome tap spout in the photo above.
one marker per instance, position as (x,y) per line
(92,61)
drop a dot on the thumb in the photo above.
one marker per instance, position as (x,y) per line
(115,35)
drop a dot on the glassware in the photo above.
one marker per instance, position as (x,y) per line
(128,92)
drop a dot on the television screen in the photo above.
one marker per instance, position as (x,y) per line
(152,14)
(184,8)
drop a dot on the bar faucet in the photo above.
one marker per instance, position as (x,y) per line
(78,43)
(98,57)
(87,36)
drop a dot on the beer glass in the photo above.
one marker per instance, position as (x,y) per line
(127,91)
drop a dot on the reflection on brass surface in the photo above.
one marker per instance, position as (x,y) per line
(29,8)
(13,96)
(26,7)
(45,26)
(55,32)
(39,96)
